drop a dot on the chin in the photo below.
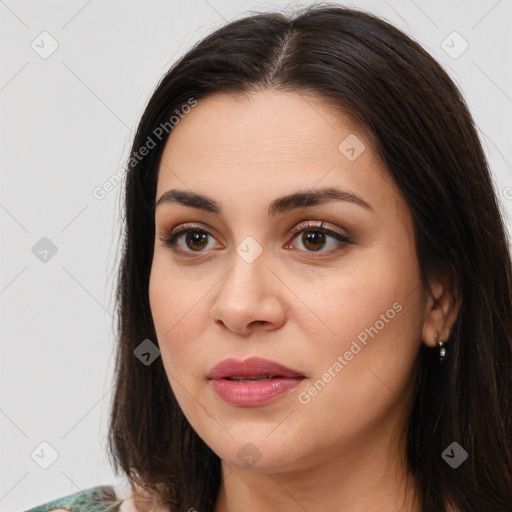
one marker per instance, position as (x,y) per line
(259,454)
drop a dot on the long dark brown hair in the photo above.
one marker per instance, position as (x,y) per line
(422,130)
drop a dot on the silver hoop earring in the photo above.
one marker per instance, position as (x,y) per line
(442,348)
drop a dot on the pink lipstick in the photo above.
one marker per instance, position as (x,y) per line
(253,381)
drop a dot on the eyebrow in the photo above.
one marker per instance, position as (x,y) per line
(279,205)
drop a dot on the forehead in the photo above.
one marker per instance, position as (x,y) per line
(228,126)
(268,143)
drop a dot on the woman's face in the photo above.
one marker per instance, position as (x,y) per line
(345,315)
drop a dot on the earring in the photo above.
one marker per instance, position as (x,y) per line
(442,349)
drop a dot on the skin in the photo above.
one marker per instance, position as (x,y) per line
(345,448)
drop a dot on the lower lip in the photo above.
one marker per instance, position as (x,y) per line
(252,394)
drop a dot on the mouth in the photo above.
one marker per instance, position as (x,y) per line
(258,378)
(254,379)
(253,382)
(252,369)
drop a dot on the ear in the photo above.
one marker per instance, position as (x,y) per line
(440,315)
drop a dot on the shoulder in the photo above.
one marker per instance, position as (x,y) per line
(101,498)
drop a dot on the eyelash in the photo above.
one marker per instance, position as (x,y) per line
(171,237)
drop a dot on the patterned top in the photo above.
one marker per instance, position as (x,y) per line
(103,498)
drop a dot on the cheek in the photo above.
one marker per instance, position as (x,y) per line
(371,317)
(373,298)
(176,304)
(363,371)
(176,309)
(350,300)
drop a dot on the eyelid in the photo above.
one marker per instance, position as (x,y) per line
(316,225)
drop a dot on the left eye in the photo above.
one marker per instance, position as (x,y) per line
(314,238)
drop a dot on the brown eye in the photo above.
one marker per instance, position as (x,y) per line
(315,237)
(313,240)
(187,240)
(195,239)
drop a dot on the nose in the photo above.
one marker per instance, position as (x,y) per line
(249,298)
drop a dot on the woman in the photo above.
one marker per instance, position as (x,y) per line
(315,295)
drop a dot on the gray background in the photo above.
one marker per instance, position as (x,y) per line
(66,125)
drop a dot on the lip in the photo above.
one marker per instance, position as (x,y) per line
(256,392)
(250,367)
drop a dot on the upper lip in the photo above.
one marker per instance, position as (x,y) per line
(251,367)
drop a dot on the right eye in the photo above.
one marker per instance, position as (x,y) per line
(195,239)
